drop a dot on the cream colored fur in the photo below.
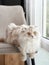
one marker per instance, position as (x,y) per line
(25,37)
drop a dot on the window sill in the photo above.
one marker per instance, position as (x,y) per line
(45,43)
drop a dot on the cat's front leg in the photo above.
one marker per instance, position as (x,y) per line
(33,54)
(23,53)
(23,56)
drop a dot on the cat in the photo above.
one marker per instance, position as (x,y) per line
(25,37)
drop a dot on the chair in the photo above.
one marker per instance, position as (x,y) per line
(9,14)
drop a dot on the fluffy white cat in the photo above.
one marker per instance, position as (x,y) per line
(26,38)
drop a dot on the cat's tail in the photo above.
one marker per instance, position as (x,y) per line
(2,40)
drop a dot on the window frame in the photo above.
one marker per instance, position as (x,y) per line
(44,17)
(44,7)
(44,40)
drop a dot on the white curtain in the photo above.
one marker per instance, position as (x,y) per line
(34,13)
(30,11)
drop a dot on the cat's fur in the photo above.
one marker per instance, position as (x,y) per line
(26,39)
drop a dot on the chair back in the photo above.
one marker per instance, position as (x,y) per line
(10,14)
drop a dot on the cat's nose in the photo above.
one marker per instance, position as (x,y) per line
(32,36)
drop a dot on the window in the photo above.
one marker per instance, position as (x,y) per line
(46,18)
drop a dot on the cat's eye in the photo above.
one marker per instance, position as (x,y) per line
(28,33)
(35,33)
(22,31)
(24,28)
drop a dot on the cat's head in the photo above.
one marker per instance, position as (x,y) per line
(28,32)
(25,32)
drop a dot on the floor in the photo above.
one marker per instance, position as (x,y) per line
(42,57)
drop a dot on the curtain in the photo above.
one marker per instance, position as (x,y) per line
(0,2)
(11,2)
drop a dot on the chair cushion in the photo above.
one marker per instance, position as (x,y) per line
(7,48)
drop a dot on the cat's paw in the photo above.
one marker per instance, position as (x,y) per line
(32,55)
(23,57)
